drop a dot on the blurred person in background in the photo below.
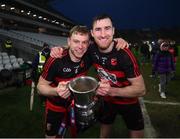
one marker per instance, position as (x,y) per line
(164,66)
(145,53)
(37,66)
(173,49)
(39,60)
(154,51)
(8,46)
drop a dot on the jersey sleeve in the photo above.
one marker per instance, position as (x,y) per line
(130,65)
(50,69)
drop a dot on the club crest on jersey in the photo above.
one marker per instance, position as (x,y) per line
(113,61)
(82,64)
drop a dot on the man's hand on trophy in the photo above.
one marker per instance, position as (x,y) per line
(103,88)
(63,90)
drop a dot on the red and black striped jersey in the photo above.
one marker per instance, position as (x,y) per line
(63,69)
(117,67)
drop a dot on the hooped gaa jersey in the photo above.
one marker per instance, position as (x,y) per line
(63,69)
(115,66)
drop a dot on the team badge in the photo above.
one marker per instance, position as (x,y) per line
(113,61)
(82,64)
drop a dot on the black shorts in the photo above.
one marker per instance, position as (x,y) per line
(131,114)
(53,122)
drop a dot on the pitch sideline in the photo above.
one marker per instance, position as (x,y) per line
(149,131)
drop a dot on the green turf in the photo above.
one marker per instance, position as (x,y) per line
(165,119)
(16,120)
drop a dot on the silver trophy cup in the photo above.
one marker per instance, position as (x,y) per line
(84,92)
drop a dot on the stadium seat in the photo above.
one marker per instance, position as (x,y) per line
(1,67)
(4,54)
(15,65)
(1,61)
(29,62)
(5,61)
(8,66)
(12,56)
(20,61)
(5,57)
(13,60)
